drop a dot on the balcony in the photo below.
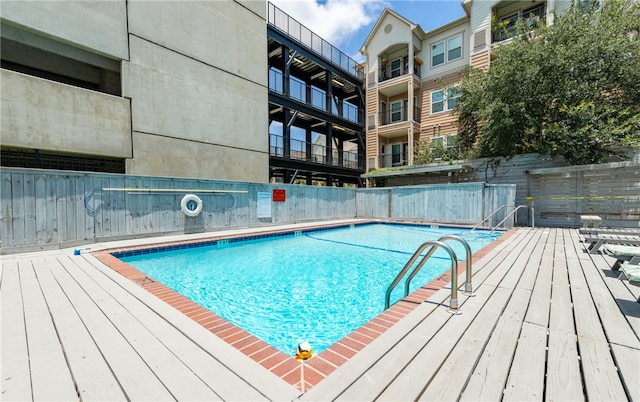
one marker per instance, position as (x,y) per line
(313,96)
(387,72)
(398,115)
(394,159)
(506,20)
(312,152)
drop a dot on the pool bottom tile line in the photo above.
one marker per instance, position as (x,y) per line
(302,375)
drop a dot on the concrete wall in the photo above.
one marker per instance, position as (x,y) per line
(97,25)
(49,115)
(193,76)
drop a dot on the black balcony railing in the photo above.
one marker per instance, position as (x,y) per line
(311,96)
(282,21)
(393,159)
(317,152)
(386,73)
(399,115)
(507,26)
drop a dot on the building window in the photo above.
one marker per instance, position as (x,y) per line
(437,54)
(444,100)
(454,47)
(396,68)
(451,48)
(396,112)
(437,102)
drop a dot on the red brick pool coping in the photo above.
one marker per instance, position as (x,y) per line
(279,363)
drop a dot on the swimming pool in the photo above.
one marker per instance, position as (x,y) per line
(315,286)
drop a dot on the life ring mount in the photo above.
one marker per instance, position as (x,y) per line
(191,205)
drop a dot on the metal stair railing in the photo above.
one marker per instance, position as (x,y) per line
(490,215)
(468,286)
(453,303)
(515,211)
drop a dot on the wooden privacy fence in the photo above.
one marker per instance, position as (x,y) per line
(47,208)
(461,203)
(561,195)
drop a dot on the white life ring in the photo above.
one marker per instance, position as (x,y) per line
(187,202)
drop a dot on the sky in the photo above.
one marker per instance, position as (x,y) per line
(346,23)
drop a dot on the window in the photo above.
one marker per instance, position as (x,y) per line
(451,48)
(383,109)
(437,102)
(396,112)
(396,66)
(454,48)
(453,94)
(437,54)
(399,154)
(441,101)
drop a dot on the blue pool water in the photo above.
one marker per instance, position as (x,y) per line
(317,286)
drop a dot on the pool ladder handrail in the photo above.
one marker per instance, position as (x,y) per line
(515,211)
(468,286)
(490,215)
(453,304)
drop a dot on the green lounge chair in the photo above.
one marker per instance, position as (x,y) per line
(631,272)
(623,253)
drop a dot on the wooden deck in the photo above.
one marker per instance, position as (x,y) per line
(549,321)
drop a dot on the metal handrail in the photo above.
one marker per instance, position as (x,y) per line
(490,215)
(453,304)
(468,286)
(493,229)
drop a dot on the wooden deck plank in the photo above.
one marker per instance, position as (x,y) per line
(622,295)
(600,375)
(226,384)
(273,387)
(490,325)
(527,374)
(561,317)
(177,377)
(448,383)
(377,377)
(14,359)
(50,376)
(616,327)
(540,303)
(563,367)
(134,375)
(409,384)
(93,378)
(627,361)
(487,382)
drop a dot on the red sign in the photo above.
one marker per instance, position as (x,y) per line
(279,195)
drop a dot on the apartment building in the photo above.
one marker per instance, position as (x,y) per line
(411,75)
(174,89)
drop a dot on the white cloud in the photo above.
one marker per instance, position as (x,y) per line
(335,20)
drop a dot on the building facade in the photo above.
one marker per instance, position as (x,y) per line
(174,89)
(411,75)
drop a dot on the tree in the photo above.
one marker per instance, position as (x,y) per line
(569,89)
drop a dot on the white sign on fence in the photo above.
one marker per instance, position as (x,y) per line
(264,205)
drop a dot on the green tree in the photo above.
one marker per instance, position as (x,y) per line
(569,89)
